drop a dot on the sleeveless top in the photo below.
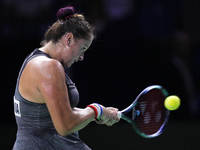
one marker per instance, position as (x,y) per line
(35,127)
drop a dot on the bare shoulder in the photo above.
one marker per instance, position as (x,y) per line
(48,71)
(41,74)
(44,65)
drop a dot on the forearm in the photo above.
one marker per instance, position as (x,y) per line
(79,119)
(77,109)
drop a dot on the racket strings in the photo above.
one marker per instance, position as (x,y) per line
(152,112)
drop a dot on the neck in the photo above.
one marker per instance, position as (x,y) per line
(52,49)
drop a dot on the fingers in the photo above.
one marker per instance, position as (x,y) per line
(109,116)
(114,118)
(112,108)
(106,122)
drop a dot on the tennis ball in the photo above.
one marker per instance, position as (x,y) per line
(172,102)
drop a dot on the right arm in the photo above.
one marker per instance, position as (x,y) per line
(55,94)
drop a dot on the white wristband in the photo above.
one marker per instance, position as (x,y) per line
(99,109)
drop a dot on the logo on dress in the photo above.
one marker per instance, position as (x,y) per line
(17,108)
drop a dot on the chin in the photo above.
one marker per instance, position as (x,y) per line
(68,65)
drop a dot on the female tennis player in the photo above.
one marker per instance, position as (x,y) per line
(45,98)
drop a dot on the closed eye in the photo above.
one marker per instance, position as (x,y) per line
(84,49)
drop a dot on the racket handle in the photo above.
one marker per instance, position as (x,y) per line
(119,113)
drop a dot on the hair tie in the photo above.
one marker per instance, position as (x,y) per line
(68,16)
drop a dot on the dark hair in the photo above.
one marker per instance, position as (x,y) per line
(68,22)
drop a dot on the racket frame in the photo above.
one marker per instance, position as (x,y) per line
(121,114)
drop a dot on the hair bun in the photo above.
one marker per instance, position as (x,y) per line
(64,12)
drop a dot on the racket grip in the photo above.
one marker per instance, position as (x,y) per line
(119,113)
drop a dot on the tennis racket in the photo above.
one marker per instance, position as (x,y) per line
(147,114)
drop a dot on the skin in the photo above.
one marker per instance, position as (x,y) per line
(47,79)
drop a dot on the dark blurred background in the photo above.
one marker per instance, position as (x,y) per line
(139,43)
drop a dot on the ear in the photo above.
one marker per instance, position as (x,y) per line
(68,38)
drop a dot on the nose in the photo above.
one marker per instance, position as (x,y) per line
(81,57)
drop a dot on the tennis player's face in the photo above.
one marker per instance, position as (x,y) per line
(78,48)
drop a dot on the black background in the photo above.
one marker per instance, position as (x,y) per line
(129,54)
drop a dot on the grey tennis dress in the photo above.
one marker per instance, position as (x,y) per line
(35,127)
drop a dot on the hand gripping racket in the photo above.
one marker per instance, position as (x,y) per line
(147,114)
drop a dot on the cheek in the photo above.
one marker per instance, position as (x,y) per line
(76,53)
